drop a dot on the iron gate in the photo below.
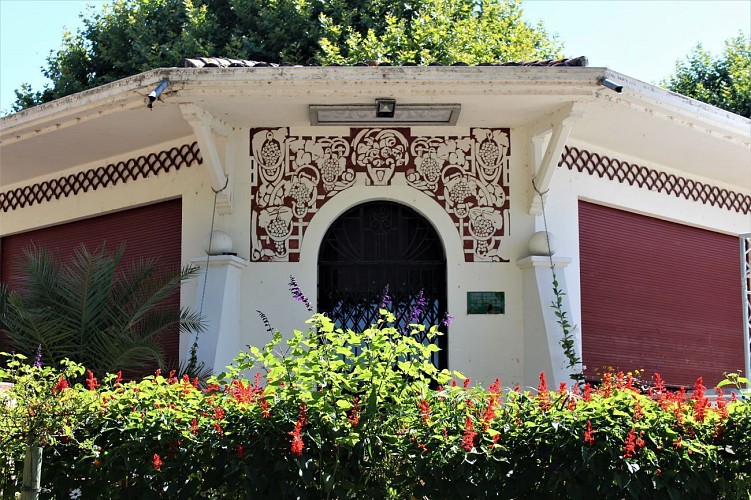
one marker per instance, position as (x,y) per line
(379,244)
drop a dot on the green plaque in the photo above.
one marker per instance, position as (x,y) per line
(486,303)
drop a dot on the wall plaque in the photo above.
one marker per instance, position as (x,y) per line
(486,303)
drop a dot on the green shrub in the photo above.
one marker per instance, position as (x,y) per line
(333,414)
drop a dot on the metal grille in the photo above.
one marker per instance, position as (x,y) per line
(112,174)
(377,244)
(582,160)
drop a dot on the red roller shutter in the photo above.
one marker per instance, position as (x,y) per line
(149,231)
(658,296)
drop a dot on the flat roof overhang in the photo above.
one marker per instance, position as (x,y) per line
(92,127)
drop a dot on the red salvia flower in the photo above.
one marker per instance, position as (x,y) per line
(493,400)
(467,381)
(62,384)
(700,401)
(354,412)
(658,390)
(218,428)
(571,405)
(157,461)
(119,379)
(543,396)
(640,441)
(218,413)
(589,437)
(488,415)
(468,438)
(297,442)
(629,446)
(158,373)
(495,387)
(722,405)
(265,411)
(194,426)
(422,447)
(638,411)
(543,385)
(240,452)
(587,392)
(91,381)
(424,411)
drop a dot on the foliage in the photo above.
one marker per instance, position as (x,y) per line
(444,32)
(365,414)
(723,81)
(93,310)
(37,410)
(132,36)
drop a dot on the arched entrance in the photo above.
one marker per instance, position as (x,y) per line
(377,244)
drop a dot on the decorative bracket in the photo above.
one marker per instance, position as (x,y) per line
(558,126)
(206,128)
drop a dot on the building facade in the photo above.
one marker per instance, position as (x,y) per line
(643,192)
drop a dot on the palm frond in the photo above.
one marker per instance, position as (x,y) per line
(94,309)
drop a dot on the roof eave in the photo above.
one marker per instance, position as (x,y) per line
(131,92)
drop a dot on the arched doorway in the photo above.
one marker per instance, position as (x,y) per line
(377,244)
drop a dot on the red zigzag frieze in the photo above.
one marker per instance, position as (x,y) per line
(114,173)
(582,160)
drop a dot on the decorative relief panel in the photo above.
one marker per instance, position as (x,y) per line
(293,177)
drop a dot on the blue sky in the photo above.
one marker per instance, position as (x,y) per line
(641,38)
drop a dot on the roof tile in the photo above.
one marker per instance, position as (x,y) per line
(222,62)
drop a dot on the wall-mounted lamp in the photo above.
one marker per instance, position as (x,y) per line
(611,85)
(154,95)
(385,108)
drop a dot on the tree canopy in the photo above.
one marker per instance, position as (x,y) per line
(723,81)
(128,37)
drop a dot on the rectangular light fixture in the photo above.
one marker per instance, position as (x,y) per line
(385,108)
(385,113)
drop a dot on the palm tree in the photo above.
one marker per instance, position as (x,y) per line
(93,310)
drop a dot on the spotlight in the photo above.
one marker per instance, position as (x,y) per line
(385,108)
(611,85)
(154,95)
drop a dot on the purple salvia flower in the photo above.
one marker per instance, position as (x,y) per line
(297,294)
(38,359)
(385,298)
(447,319)
(417,310)
(265,320)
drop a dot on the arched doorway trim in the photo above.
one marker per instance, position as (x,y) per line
(421,203)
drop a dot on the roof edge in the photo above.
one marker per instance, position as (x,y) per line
(132,91)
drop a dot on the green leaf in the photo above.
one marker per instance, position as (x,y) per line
(343,404)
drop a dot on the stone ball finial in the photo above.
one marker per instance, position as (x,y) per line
(220,242)
(538,244)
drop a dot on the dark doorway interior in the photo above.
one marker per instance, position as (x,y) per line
(377,244)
